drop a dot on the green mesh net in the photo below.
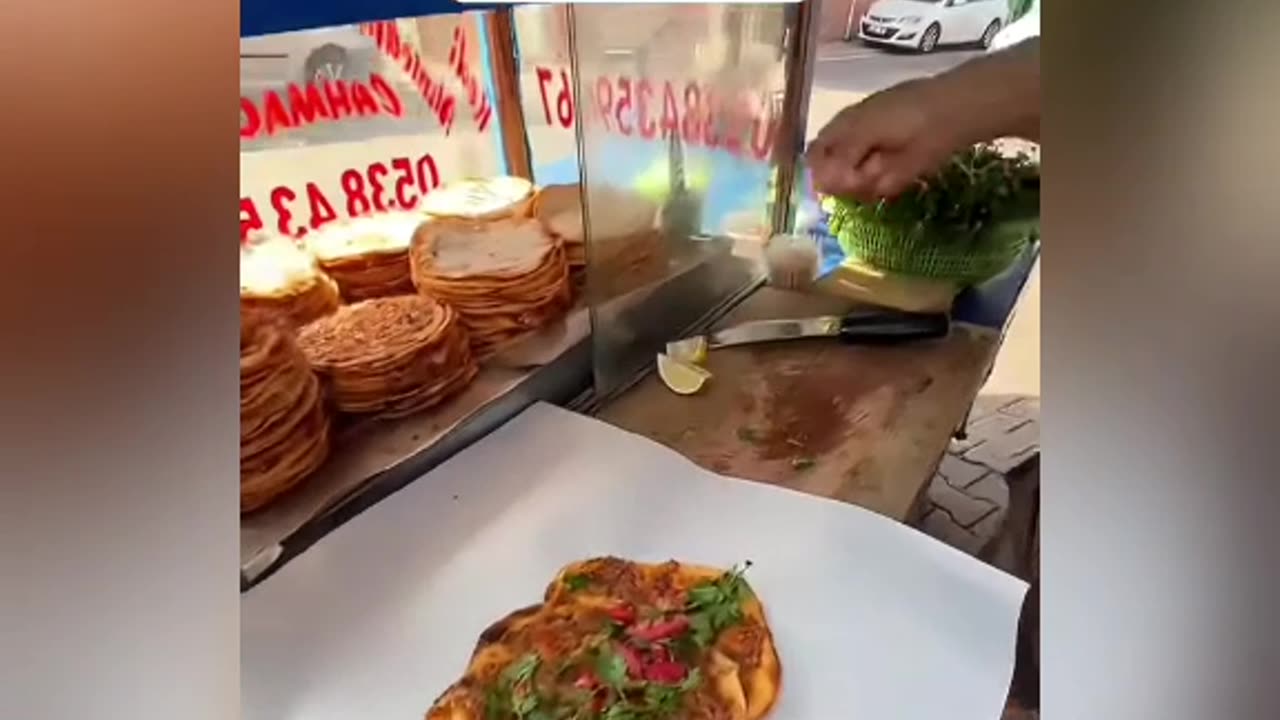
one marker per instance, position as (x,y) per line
(922,254)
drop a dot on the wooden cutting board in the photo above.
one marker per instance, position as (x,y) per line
(860,424)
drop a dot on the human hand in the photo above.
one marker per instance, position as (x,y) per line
(882,145)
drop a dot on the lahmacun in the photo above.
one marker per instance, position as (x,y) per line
(390,356)
(620,640)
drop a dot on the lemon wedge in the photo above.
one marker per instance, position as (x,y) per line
(689,350)
(682,378)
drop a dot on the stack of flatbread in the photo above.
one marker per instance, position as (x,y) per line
(284,428)
(368,257)
(506,278)
(559,209)
(390,356)
(480,200)
(279,277)
(626,247)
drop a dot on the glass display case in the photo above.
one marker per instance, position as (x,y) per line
(695,112)
(446,218)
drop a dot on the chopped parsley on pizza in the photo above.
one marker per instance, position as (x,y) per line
(619,640)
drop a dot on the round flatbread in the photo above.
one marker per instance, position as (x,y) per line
(507,279)
(390,356)
(368,257)
(281,278)
(284,426)
(480,199)
(615,638)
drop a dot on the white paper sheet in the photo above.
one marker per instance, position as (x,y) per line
(871,618)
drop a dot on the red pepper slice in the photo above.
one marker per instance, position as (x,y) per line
(623,614)
(635,666)
(661,630)
(666,672)
(660,653)
(587,681)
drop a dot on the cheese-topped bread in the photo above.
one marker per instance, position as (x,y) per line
(480,199)
(361,236)
(273,265)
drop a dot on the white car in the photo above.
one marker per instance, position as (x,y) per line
(923,25)
(1024,28)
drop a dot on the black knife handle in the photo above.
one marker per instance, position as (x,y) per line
(890,327)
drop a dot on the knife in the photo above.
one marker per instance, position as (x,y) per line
(873,327)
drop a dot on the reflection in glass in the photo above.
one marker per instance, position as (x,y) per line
(679,109)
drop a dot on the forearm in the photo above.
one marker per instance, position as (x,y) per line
(993,96)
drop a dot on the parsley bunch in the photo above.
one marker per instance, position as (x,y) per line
(977,188)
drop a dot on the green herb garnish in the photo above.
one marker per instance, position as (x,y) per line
(515,694)
(716,605)
(652,701)
(664,701)
(611,668)
(522,671)
(576,582)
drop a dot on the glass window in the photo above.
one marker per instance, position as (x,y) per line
(680,107)
(355,120)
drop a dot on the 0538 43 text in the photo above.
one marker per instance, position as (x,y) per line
(379,187)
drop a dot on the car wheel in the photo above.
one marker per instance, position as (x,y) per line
(989,34)
(929,40)
(327,62)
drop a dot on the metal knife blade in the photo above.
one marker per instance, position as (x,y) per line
(762,331)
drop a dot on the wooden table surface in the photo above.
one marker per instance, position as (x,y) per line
(860,424)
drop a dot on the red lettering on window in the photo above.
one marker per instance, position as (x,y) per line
(457,49)
(670,111)
(644,96)
(392,46)
(363,100)
(481,111)
(251,121)
(321,211)
(250,220)
(306,105)
(339,98)
(390,100)
(445,114)
(277,119)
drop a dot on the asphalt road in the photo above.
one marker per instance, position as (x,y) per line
(853,67)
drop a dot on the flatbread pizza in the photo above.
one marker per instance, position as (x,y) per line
(620,640)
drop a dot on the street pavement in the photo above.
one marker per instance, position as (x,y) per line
(854,67)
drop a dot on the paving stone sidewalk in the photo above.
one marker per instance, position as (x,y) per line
(969,496)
